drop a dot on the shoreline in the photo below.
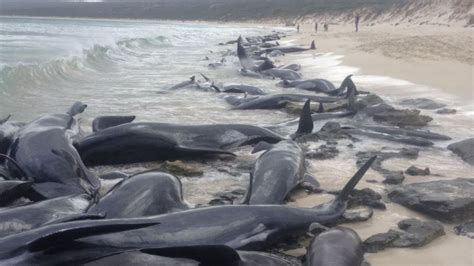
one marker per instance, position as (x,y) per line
(334,172)
(380,50)
(414,71)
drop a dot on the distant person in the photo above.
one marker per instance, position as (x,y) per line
(298,27)
(326,26)
(357,18)
(316,27)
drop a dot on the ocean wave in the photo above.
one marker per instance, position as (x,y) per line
(97,60)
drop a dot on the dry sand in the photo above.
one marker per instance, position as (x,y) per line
(437,56)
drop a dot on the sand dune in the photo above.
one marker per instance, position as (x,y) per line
(372,11)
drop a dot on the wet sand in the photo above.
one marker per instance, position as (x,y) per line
(397,63)
(437,56)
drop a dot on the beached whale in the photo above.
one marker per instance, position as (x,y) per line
(277,172)
(190,82)
(194,255)
(319,85)
(18,219)
(234,88)
(38,246)
(405,132)
(281,167)
(286,74)
(236,226)
(412,140)
(249,63)
(337,246)
(289,49)
(242,88)
(267,68)
(244,227)
(141,142)
(44,152)
(275,101)
(144,194)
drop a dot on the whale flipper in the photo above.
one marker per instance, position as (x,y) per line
(76,217)
(205,77)
(103,122)
(311,180)
(85,229)
(344,195)
(262,146)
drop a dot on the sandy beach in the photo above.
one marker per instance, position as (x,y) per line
(131,71)
(437,56)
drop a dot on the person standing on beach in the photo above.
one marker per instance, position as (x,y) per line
(298,27)
(357,18)
(326,26)
(316,27)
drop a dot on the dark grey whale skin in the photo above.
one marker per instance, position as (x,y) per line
(47,245)
(140,142)
(276,101)
(276,172)
(103,122)
(337,246)
(18,219)
(43,149)
(144,194)
(242,227)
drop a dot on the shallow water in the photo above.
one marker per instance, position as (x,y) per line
(122,67)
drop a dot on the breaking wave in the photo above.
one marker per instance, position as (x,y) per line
(93,61)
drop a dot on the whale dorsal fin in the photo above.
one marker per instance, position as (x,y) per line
(320,109)
(305,125)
